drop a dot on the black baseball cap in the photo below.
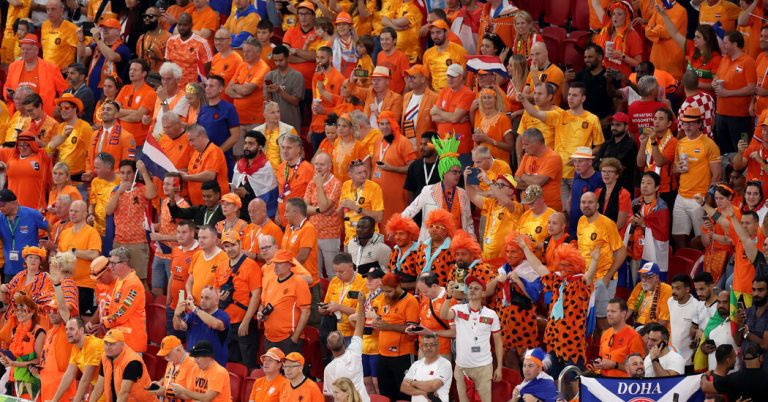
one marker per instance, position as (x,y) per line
(202,349)
(374,272)
(7,195)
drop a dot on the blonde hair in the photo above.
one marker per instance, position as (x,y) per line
(63,167)
(66,262)
(344,384)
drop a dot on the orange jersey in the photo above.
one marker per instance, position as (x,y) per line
(288,298)
(251,233)
(402,311)
(304,236)
(215,378)
(616,346)
(86,238)
(205,270)
(210,160)
(226,66)
(307,391)
(247,279)
(736,74)
(430,320)
(250,108)
(131,98)
(189,55)
(265,390)
(29,178)
(180,261)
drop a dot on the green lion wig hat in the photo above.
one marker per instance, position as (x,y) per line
(447,151)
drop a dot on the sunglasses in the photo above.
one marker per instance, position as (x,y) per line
(150,16)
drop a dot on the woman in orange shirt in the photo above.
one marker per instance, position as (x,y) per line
(525,34)
(347,149)
(62,185)
(492,127)
(614,200)
(623,46)
(195,95)
(110,90)
(718,246)
(32,281)
(26,344)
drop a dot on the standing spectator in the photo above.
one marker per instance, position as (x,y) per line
(614,200)
(475,324)
(72,136)
(618,341)
(164,233)
(624,148)
(601,86)
(207,213)
(85,357)
(285,86)
(687,318)
(219,118)
(44,77)
(417,102)
(717,331)
(85,243)
(247,86)
(662,360)
(501,212)
(260,223)
(240,292)
(181,259)
(299,59)
(711,12)
(286,302)
(19,227)
(137,101)
(300,239)
(368,249)
(398,310)
(392,58)
(421,172)
(648,235)
(128,205)
(58,36)
(226,61)
(543,94)
(585,179)
(207,264)
(326,88)
(359,198)
(626,50)
(746,384)
(697,161)
(230,207)
(540,166)
(451,110)
(204,323)
(274,128)
(253,177)
(749,154)
(407,258)
(208,380)
(188,50)
(696,97)
(665,53)
(170,99)
(125,313)
(754,331)
(438,58)
(76,76)
(641,112)
(107,54)
(27,171)
(429,315)
(657,153)
(110,139)
(241,23)
(293,174)
(207,163)
(392,156)
(734,85)
(322,199)
(99,195)
(347,361)
(121,365)
(150,46)
(429,377)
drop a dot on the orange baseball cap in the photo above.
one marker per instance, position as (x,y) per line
(29,39)
(230,236)
(440,24)
(307,5)
(343,18)
(283,256)
(274,354)
(114,336)
(295,357)
(417,69)
(168,344)
(232,198)
(110,23)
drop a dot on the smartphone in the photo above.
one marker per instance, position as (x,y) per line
(472,177)
(359,72)
(745,137)
(153,387)
(353,294)
(662,345)
(87,26)
(710,342)
(417,328)
(742,306)
(182,295)
(568,67)
(267,82)
(380,163)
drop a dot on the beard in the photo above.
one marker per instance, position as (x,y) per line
(759,301)
(151,26)
(249,154)
(639,374)
(389,138)
(618,133)
(647,287)
(462,265)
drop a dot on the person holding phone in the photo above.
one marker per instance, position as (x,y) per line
(662,360)
(339,302)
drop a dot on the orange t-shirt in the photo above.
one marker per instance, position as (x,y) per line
(268,391)
(215,378)
(188,55)
(429,321)
(744,270)
(180,261)
(304,236)
(226,66)
(131,98)
(397,63)
(495,127)
(404,310)
(549,164)
(87,238)
(177,374)
(450,100)
(307,391)
(332,80)
(668,145)
(210,160)
(736,74)
(28,178)
(616,346)
(298,178)
(633,47)
(248,279)
(206,270)
(251,108)
(701,152)
(287,298)
(251,233)
(342,156)
(761,64)
(296,38)
(30,78)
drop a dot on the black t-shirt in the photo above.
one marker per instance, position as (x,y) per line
(598,101)
(416,179)
(626,152)
(133,371)
(745,383)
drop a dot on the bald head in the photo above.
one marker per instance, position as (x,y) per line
(588,204)
(556,224)
(540,55)
(257,211)
(77,211)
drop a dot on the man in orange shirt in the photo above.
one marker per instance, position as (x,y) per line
(618,341)
(451,111)
(207,163)
(28,171)
(285,303)
(207,265)
(226,61)
(378,98)
(429,313)
(399,311)
(260,224)
(299,59)
(269,387)
(189,50)
(111,139)
(125,312)
(300,239)
(247,88)
(417,102)
(326,90)
(208,380)
(42,76)
(122,370)
(393,59)
(85,243)
(178,370)
(541,166)
(151,44)
(205,21)
(293,174)
(136,100)
(181,258)
(734,85)
(299,388)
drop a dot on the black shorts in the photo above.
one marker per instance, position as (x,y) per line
(86,301)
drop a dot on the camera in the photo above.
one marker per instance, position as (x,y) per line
(267,311)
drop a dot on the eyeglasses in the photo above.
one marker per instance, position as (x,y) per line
(292,366)
(607,171)
(502,185)
(428,345)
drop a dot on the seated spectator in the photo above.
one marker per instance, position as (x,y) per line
(755,320)
(367,247)
(344,390)
(618,342)
(206,323)
(179,368)
(121,365)
(301,388)
(86,358)
(718,244)
(269,387)
(634,366)
(648,301)
(434,297)
(208,381)
(126,312)
(662,360)
(536,383)
(429,377)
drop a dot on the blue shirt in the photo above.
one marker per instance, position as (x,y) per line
(20,232)
(217,120)
(199,331)
(581,186)
(94,76)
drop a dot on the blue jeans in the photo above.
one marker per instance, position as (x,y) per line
(161,271)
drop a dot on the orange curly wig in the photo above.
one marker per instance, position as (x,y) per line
(442,217)
(463,240)
(510,242)
(398,223)
(569,254)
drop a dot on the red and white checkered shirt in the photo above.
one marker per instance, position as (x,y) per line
(706,104)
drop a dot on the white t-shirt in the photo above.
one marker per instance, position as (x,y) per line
(473,335)
(349,365)
(670,361)
(439,369)
(682,318)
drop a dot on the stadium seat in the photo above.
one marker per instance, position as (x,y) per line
(554,37)
(257,373)
(512,376)
(161,299)
(235,383)
(311,351)
(155,366)
(689,253)
(556,12)
(534,7)
(501,391)
(573,49)
(247,388)
(156,323)
(238,368)
(679,265)
(580,15)
(382,398)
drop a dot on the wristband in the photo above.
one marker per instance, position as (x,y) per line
(656,360)
(57,284)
